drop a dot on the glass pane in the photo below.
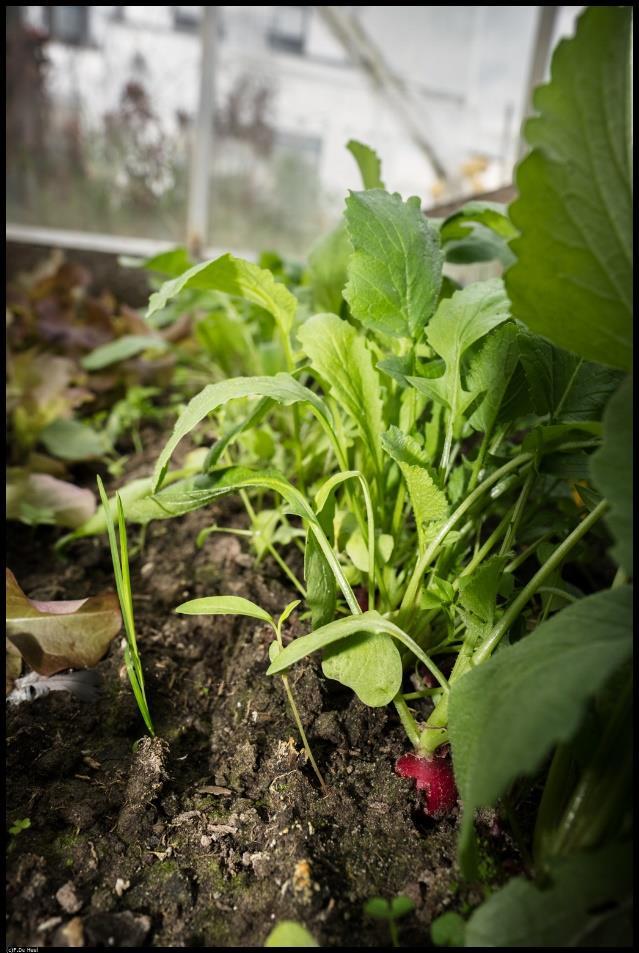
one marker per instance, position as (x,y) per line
(97,129)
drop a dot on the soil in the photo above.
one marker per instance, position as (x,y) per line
(217,828)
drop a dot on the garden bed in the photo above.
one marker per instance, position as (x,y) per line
(220,828)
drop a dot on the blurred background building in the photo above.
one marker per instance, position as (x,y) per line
(150,122)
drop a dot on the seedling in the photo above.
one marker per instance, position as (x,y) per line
(120,559)
(20,824)
(236,605)
(391,911)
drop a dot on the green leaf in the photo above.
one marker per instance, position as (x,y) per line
(340,357)
(448,929)
(479,231)
(71,440)
(378,908)
(370,621)
(368,163)
(572,281)
(395,273)
(369,663)
(327,269)
(35,498)
(321,588)
(611,469)
(289,934)
(224,605)
(401,906)
(283,388)
(170,263)
(490,373)
(135,490)
(562,384)
(429,503)
(585,892)
(52,636)
(506,715)
(478,592)
(192,493)
(491,214)
(237,277)
(287,611)
(121,349)
(459,322)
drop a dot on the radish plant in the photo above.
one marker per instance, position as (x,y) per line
(454,457)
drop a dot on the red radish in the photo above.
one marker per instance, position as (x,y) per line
(434,776)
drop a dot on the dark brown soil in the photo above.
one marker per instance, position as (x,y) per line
(218,828)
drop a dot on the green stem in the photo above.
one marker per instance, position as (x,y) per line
(479,461)
(517,514)
(270,548)
(423,693)
(552,563)
(407,720)
(521,559)
(300,728)
(424,561)
(484,548)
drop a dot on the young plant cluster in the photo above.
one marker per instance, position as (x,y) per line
(453,461)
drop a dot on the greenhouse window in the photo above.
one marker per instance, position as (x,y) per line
(287,31)
(187,18)
(68,24)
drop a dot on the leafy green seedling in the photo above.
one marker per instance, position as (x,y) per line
(20,824)
(391,911)
(120,559)
(236,605)
(449,929)
(288,933)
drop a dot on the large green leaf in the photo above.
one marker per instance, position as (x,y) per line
(562,384)
(459,322)
(370,621)
(588,903)
(572,282)
(53,636)
(490,373)
(340,357)
(611,469)
(368,163)
(282,387)
(237,277)
(328,267)
(506,715)
(369,663)
(395,273)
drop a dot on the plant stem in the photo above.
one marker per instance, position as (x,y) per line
(424,561)
(485,548)
(552,563)
(519,560)
(517,514)
(270,548)
(407,720)
(300,728)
